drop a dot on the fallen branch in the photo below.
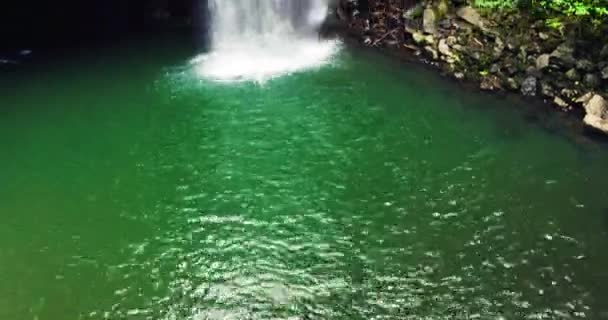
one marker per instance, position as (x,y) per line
(384,36)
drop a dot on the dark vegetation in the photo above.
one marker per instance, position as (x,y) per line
(55,24)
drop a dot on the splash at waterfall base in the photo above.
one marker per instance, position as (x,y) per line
(257,41)
(264,60)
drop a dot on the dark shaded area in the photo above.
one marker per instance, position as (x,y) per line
(69,23)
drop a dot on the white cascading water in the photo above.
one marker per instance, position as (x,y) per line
(260,39)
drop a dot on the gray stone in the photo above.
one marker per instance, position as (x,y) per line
(428,21)
(543,36)
(529,87)
(495,68)
(573,75)
(542,61)
(471,16)
(585,65)
(591,80)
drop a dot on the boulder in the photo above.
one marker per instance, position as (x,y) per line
(499,47)
(597,112)
(561,103)
(490,83)
(604,73)
(428,21)
(584,99)
(546,89)
(542,61)
(596,123)
(471,16)
(585,65)
(451,40)
(512,84)
(573,75)
(604,52)
(563,55)
(413,12)
(529,86)
(422,39)
(597,106)
(444,49)
(591,80)
(431,52)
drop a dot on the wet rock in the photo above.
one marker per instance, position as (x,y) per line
(428,21)
(414,12)
(546,89)
(569,93)
(597,111)
(604,73)
(561,103)
(532,71)
(604,52)
(529,86)
(499,47)
(512,84)
(431,52)
(573,75)
(584,99)
(597,106)
(591,80)
(471,16)
(445,24)
(444,49)
(596,123)
(563,55)
(423,39)
(585,65)
(490,83)
(542,61)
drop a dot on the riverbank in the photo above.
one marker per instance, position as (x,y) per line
(502,51)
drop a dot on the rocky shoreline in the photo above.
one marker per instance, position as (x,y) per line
(499,51)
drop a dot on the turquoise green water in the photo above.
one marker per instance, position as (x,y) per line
(366,189)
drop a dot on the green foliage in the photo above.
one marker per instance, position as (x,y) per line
(496,4)
(555,11)
(580,8)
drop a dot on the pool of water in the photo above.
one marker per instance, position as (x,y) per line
(364,189)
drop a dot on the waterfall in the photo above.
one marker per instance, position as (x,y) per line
(261,39)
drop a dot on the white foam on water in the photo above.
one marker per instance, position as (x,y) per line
(262,61)
(260,40)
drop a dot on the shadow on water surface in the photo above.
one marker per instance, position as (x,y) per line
(531,111)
